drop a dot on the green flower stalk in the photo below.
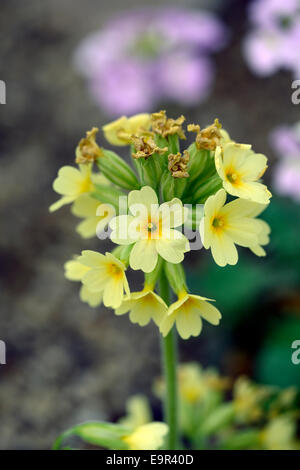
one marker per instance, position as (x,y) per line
(144,209)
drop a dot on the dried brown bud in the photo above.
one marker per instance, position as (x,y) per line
(178,164)
(165,126)
(209,138)
(145,146)
(87,150)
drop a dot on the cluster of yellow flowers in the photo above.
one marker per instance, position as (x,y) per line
(252,416)
(147,232)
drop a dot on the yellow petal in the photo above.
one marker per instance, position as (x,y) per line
(85,206)
(92,298)
(188,323)
(74,271)
(223,250)
(144,256)
(91,258)
(147,437)
(143,197)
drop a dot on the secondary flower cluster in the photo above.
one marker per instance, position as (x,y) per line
(145,210)
(256,417)
(148,55)
(285,140)
(272,44)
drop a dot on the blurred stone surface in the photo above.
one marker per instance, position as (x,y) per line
(66,362)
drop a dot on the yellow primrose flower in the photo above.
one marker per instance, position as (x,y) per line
(225,225)
(71,183)
(143,307)
(147,437)
(150,228)
(194,382)
(240,169)
(74,271)
(138,412)
(247,399)
(191,383)
(188,312)
(119,132)
(106,275)
(279,434)
(88,208)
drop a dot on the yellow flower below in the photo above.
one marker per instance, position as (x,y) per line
(147,437)
(187,313)
(138,412)
(280,434)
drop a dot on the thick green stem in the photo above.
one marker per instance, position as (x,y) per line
(169,356)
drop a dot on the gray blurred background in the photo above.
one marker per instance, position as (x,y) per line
(67,362)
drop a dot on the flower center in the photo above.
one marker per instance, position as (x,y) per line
(114,271)
(232,177)
(218,223)
(86,185)
(152,229)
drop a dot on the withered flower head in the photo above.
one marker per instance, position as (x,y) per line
(209,138)
(178,164)
(87,150)
(145,146)
(165,126)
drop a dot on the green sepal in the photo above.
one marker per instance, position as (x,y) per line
(102,434)
(200,162)
(176,276)
(116,170)
(174,145)
(148,171)
(172,187)
(207,188)
(195,214)
(107,194)
(161,141)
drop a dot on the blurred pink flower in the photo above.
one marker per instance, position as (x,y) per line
(273,13)
(150,55)
(273,43)
(285,141)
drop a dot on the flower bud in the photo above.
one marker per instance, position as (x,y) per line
(117,170)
